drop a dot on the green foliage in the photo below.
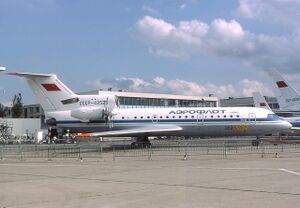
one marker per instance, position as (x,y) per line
(2,111)
(17,108)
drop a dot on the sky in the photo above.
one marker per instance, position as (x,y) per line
(191,47)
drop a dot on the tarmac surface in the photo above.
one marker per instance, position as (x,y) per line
(161,182)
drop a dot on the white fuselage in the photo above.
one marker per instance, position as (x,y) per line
(195,121)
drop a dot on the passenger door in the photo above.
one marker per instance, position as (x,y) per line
(200,119)
(154,118)
(252,118)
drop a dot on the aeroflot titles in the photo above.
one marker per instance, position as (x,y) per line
(197,111)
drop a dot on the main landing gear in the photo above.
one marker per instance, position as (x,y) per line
(256,142)
(140,142)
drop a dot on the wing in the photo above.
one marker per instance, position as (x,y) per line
(139,131)
(295,128)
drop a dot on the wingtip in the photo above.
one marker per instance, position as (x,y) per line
(11,73)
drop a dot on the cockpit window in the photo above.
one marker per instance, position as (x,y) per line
(274,117)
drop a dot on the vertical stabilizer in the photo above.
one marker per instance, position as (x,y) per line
(51,93)
(289,98)
(260,101)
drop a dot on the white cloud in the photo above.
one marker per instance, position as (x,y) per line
(177,86)
(182,6)
(285,12)
(245,10)
(150,10)
(220,38)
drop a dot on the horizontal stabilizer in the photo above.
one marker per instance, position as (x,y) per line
(26,74)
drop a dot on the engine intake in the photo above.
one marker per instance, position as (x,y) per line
(88,113)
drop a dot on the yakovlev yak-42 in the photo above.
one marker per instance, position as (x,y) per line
(100,115)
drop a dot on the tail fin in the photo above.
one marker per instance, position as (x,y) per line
(51,93)
(289,98)
(260,101)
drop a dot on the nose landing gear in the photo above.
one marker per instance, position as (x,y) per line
(141,142)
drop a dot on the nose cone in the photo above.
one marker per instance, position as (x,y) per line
(286,125)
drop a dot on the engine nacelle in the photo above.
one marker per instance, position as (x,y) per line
(88,113)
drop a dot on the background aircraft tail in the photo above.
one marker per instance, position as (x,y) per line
(260,101)
(51,93)
(289,98)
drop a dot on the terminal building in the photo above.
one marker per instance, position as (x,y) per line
(248,102)
(147,100)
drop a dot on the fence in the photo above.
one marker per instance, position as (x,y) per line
(221,149)
(114,150)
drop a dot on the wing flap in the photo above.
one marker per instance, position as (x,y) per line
(139,131)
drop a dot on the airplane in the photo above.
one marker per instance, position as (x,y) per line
(101,115)
(260,102)
(289,98)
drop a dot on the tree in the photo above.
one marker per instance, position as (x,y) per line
(2,111)
(17,108)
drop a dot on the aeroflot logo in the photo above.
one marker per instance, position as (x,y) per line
(196,111)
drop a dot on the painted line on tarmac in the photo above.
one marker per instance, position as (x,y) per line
(40,165)
(265,169)
(290,171)
(254,169)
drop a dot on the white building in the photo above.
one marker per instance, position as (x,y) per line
(138,100)
(20,127)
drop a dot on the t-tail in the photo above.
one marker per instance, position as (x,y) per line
(289,98)
(51,93)
(260,101)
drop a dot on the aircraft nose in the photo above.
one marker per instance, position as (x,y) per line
(287,125)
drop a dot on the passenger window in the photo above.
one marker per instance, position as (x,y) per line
(173,116)
(224,116)
(186,116)
(123,118)
(148,117)
(211,116)
(230,116)
(179,116)
(135,117)
(141,117)
(167,116)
